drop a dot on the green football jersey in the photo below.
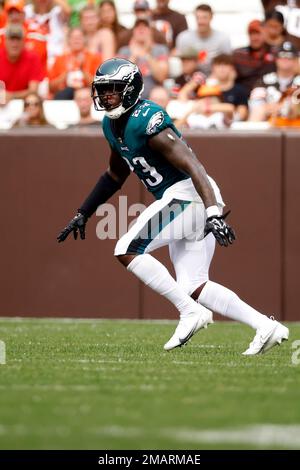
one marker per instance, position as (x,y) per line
(146,120)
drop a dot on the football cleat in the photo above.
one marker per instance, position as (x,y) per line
(267,337)
(188,326)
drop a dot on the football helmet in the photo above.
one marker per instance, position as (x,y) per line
(121,77)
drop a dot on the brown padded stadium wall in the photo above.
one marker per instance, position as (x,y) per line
(45,177)
(291,224)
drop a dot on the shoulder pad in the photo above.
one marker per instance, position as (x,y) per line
(149,119)
(141,107)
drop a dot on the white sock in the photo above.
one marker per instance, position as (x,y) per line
(155,275)
(222,300)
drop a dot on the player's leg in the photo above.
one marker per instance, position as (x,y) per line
(224,301)
(191,262)
(154,228)
(132,251)
(191,259)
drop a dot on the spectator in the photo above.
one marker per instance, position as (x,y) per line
(288,114)
(83,99)
(20,70)
(221,99)
(290,10)
(49,18)
(253,61)
(191,79)
(168,21)
(2,15)
(151,58)
(265,98)
(207,41)
(160,96)
(270,5)
(35,40)
(108,16)
(274,31)
(13,13)
(33,114)
(141,9)
(98,41)
(76,7)
(73,69)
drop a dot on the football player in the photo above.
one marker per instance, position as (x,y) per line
(187,214)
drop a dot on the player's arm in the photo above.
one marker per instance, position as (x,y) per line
(15,95)
(168,144)
(118,168)
(107,185)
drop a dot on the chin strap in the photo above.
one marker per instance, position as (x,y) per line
(116,113)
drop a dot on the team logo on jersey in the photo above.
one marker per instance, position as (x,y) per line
(155,121)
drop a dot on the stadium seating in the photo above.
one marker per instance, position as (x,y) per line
(10,113)
(231,16)
(60,114)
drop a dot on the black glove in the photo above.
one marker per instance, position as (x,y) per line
(77,223)
(222,232)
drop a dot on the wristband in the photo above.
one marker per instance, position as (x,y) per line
(213,211)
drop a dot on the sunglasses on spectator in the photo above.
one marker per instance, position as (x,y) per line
(15,37)
(286,55)
(31,103)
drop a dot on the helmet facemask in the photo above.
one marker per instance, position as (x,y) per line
(102,90)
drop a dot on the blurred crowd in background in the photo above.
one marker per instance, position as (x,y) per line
(50,50)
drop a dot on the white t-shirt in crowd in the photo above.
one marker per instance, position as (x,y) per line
(53,22)
(216,43)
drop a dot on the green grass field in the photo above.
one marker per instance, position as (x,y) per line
(107,384)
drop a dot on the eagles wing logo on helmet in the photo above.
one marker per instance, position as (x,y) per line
(124,72)
(155,121)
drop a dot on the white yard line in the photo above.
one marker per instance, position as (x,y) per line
(51,388)
(96,321)
(260,435)
(81,388)
(84,320)
(282,436)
